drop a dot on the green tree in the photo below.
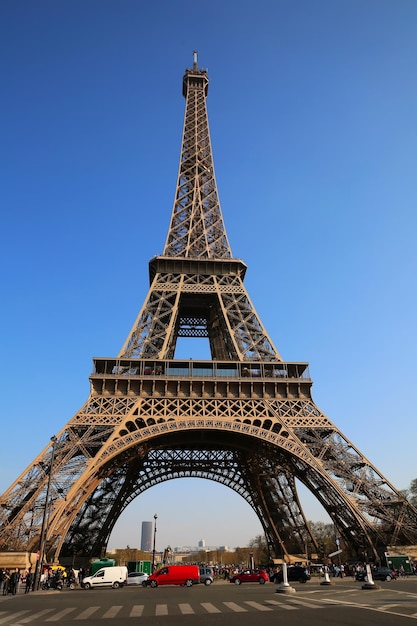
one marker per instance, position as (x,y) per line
(258,547)
(412,492)
(325,537)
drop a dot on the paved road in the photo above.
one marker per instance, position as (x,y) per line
(343,603)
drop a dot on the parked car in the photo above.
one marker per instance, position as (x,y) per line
(295,573)
(137,578)
(206,575)
(250,576)
(378,573)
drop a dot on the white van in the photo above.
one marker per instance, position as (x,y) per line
(107,577)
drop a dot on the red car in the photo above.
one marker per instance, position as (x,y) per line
(250,576)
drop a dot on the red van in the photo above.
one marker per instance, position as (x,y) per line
(186,575)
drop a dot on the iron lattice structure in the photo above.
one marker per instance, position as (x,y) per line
(245,418)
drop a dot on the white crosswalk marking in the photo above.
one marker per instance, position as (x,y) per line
(112,612)
(137,610)
(235,607)
(32,617)
(210,608)
(161,609)
(87,613)
(60,615)
(56,615)
(13,616)
(282,605)
(257,605)
(308,605)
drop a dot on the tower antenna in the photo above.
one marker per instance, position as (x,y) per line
(195,64)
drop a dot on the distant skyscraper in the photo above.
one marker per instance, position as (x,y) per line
(202,543)
(146,541)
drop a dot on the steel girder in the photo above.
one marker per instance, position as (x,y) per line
(101,454)
(230,321)
(196,229)
(197,270)
(267,488)
(253,428)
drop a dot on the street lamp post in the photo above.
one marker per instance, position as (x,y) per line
(42,539)
(155,517)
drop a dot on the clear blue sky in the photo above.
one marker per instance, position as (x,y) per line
(312,109)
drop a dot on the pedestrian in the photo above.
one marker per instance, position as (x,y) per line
(6,582)
(29,580)
(14,581)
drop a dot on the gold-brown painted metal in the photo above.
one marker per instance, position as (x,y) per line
(244,418)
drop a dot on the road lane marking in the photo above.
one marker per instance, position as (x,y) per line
(186,609)
(60,615)
(86,614)
(308,605)
(282,605)
(210,608)
(33,616)
(137,610)
(258,606)
(235,607)
(112,611)
(376,609)
(344,602)
(161,609)
(6,620)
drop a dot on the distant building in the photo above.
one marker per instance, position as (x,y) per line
(201,546)
(146,540)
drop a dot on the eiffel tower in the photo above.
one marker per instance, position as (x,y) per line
(245,418)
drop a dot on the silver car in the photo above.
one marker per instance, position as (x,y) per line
(206,575)
(137,578)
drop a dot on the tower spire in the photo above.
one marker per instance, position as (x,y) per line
(196,285)
(196,229)
(195,64)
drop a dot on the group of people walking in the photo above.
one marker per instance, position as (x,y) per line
(12,580)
